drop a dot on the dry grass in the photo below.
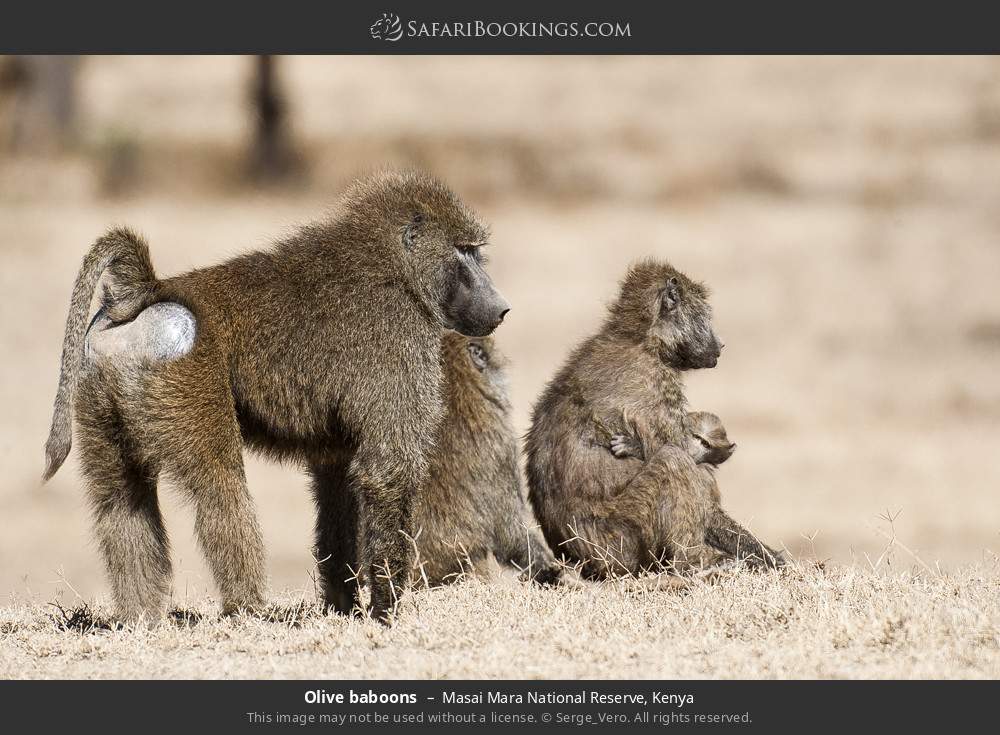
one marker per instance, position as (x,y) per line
(807,622)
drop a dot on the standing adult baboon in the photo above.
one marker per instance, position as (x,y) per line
(472,505)
(324,348)
(625,515)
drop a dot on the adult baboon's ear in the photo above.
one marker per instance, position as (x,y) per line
(671,296)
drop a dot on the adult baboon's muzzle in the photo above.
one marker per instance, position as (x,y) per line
(476,308)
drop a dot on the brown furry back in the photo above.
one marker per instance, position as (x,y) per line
(126,256)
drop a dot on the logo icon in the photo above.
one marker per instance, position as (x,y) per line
(387,28)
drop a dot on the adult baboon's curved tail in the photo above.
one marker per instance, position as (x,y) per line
(126,255)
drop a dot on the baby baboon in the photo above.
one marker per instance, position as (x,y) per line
(324,349)
(625,515)
(472,505)
(705,440)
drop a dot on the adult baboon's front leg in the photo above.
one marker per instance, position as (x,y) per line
(336,534)
(386,495)
(727,535)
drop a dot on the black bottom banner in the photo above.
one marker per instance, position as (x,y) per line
(520,706)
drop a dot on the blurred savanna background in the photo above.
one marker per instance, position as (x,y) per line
(844,211)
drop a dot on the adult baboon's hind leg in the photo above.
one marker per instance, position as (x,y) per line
(127,519)
(336,534)
(193,422)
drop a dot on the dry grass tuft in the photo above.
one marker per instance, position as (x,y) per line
(81,619)
(866,620)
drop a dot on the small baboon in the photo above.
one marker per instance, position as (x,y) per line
(705,440)
(627,515)
(324,349)
(472,505)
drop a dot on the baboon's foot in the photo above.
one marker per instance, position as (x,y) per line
(385,599)
(768,559)
(717,571)
(249,605)
(571,579)
(141,616)
(341,600)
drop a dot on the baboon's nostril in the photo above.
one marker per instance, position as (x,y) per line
(503,314)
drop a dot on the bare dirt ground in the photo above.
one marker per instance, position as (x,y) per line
(844,212)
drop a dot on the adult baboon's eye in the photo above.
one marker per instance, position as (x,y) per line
(704,442)
(470,251)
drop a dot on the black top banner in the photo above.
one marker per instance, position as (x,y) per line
(515,27)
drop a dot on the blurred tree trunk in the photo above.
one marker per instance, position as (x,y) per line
(272,154)
(39,102)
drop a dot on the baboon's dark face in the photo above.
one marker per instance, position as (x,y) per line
(444,242)
(683,325)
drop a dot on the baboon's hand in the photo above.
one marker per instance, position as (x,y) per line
(624,446)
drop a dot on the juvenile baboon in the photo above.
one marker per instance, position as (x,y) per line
(626,515)
(472,505)
(324,349)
